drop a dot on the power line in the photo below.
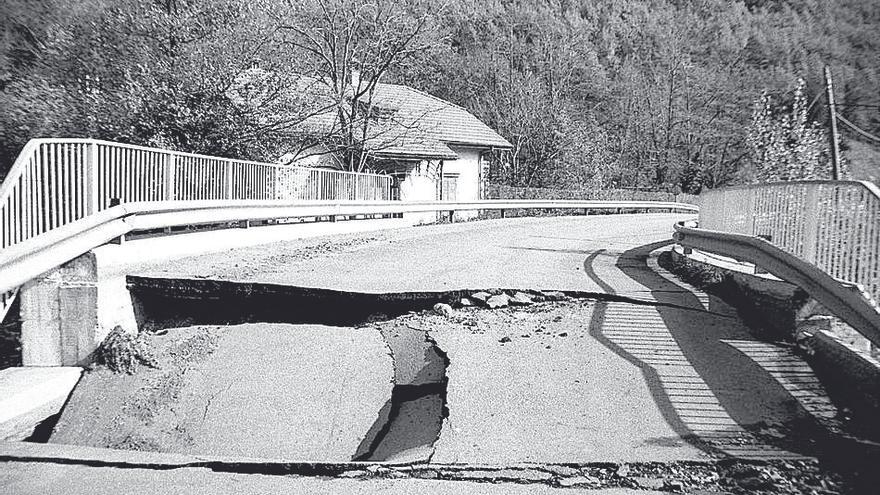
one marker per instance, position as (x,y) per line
(856,129)
(853,105)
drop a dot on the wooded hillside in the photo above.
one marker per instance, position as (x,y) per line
(655,95)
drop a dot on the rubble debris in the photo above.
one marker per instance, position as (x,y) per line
(520,299)
(443,309)
(579,481)
(498,301)
(481,297)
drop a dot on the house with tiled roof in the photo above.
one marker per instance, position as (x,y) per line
(436,150)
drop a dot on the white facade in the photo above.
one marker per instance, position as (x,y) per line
(460,181)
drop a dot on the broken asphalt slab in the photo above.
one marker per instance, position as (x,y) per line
(299,392)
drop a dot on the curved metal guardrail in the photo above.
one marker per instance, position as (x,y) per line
(848,301)
(835,225)
(35,256)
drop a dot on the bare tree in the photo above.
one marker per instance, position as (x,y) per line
(347,47)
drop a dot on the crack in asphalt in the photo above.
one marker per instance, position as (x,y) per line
(214,396)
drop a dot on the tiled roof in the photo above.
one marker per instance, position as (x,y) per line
(439,118)
(418,125)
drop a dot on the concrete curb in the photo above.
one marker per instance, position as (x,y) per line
(30,395)
(851,373)
(768,305)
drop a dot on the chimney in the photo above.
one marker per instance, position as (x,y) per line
(355,79)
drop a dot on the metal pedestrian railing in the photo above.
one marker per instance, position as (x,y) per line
(834,225)
(57,181)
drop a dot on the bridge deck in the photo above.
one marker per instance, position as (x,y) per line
(679,378)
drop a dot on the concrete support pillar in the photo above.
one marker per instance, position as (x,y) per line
(67,312)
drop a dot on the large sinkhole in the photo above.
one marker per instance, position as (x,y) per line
(270,371)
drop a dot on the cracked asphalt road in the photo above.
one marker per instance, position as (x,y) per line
(545,253)
(298,392)
(665,380)
(675,378)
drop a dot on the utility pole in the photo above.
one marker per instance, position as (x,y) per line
(832,115)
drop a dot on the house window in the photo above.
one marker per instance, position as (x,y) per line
(449,187)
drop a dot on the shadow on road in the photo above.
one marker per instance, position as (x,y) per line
(714,396)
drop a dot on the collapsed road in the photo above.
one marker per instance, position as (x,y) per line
(628,367)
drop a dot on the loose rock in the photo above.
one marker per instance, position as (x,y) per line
(499,301)
(564,470)
(465,302)
(573,481)
(481,297)
(358,473)
(504,339)
(443,309)
(649,483)
(554,295)
(520,299)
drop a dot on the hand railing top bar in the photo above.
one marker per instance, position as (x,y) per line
(834,225)
(25,154)
(861,183)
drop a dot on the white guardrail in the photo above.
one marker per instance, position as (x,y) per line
(30,258)
(835,225)
(823,236)
(64,197)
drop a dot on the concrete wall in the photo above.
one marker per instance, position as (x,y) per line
(66,313)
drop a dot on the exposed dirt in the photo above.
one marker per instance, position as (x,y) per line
(135,411)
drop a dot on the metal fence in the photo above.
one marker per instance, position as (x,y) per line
(57,181)
(500,191)
(834,225)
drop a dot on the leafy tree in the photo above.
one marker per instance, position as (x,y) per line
(784,144)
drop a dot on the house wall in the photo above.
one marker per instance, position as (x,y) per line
(315,156)
(468,169)
(421,182)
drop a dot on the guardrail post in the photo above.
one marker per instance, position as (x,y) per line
(91,179)
(170,170)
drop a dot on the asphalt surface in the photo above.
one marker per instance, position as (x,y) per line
(675,377)
(297,392)
(546,253)
(667,380)
(48,479)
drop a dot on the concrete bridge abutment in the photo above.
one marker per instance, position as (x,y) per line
(67,312)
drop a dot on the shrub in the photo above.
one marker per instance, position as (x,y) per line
(121,352)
